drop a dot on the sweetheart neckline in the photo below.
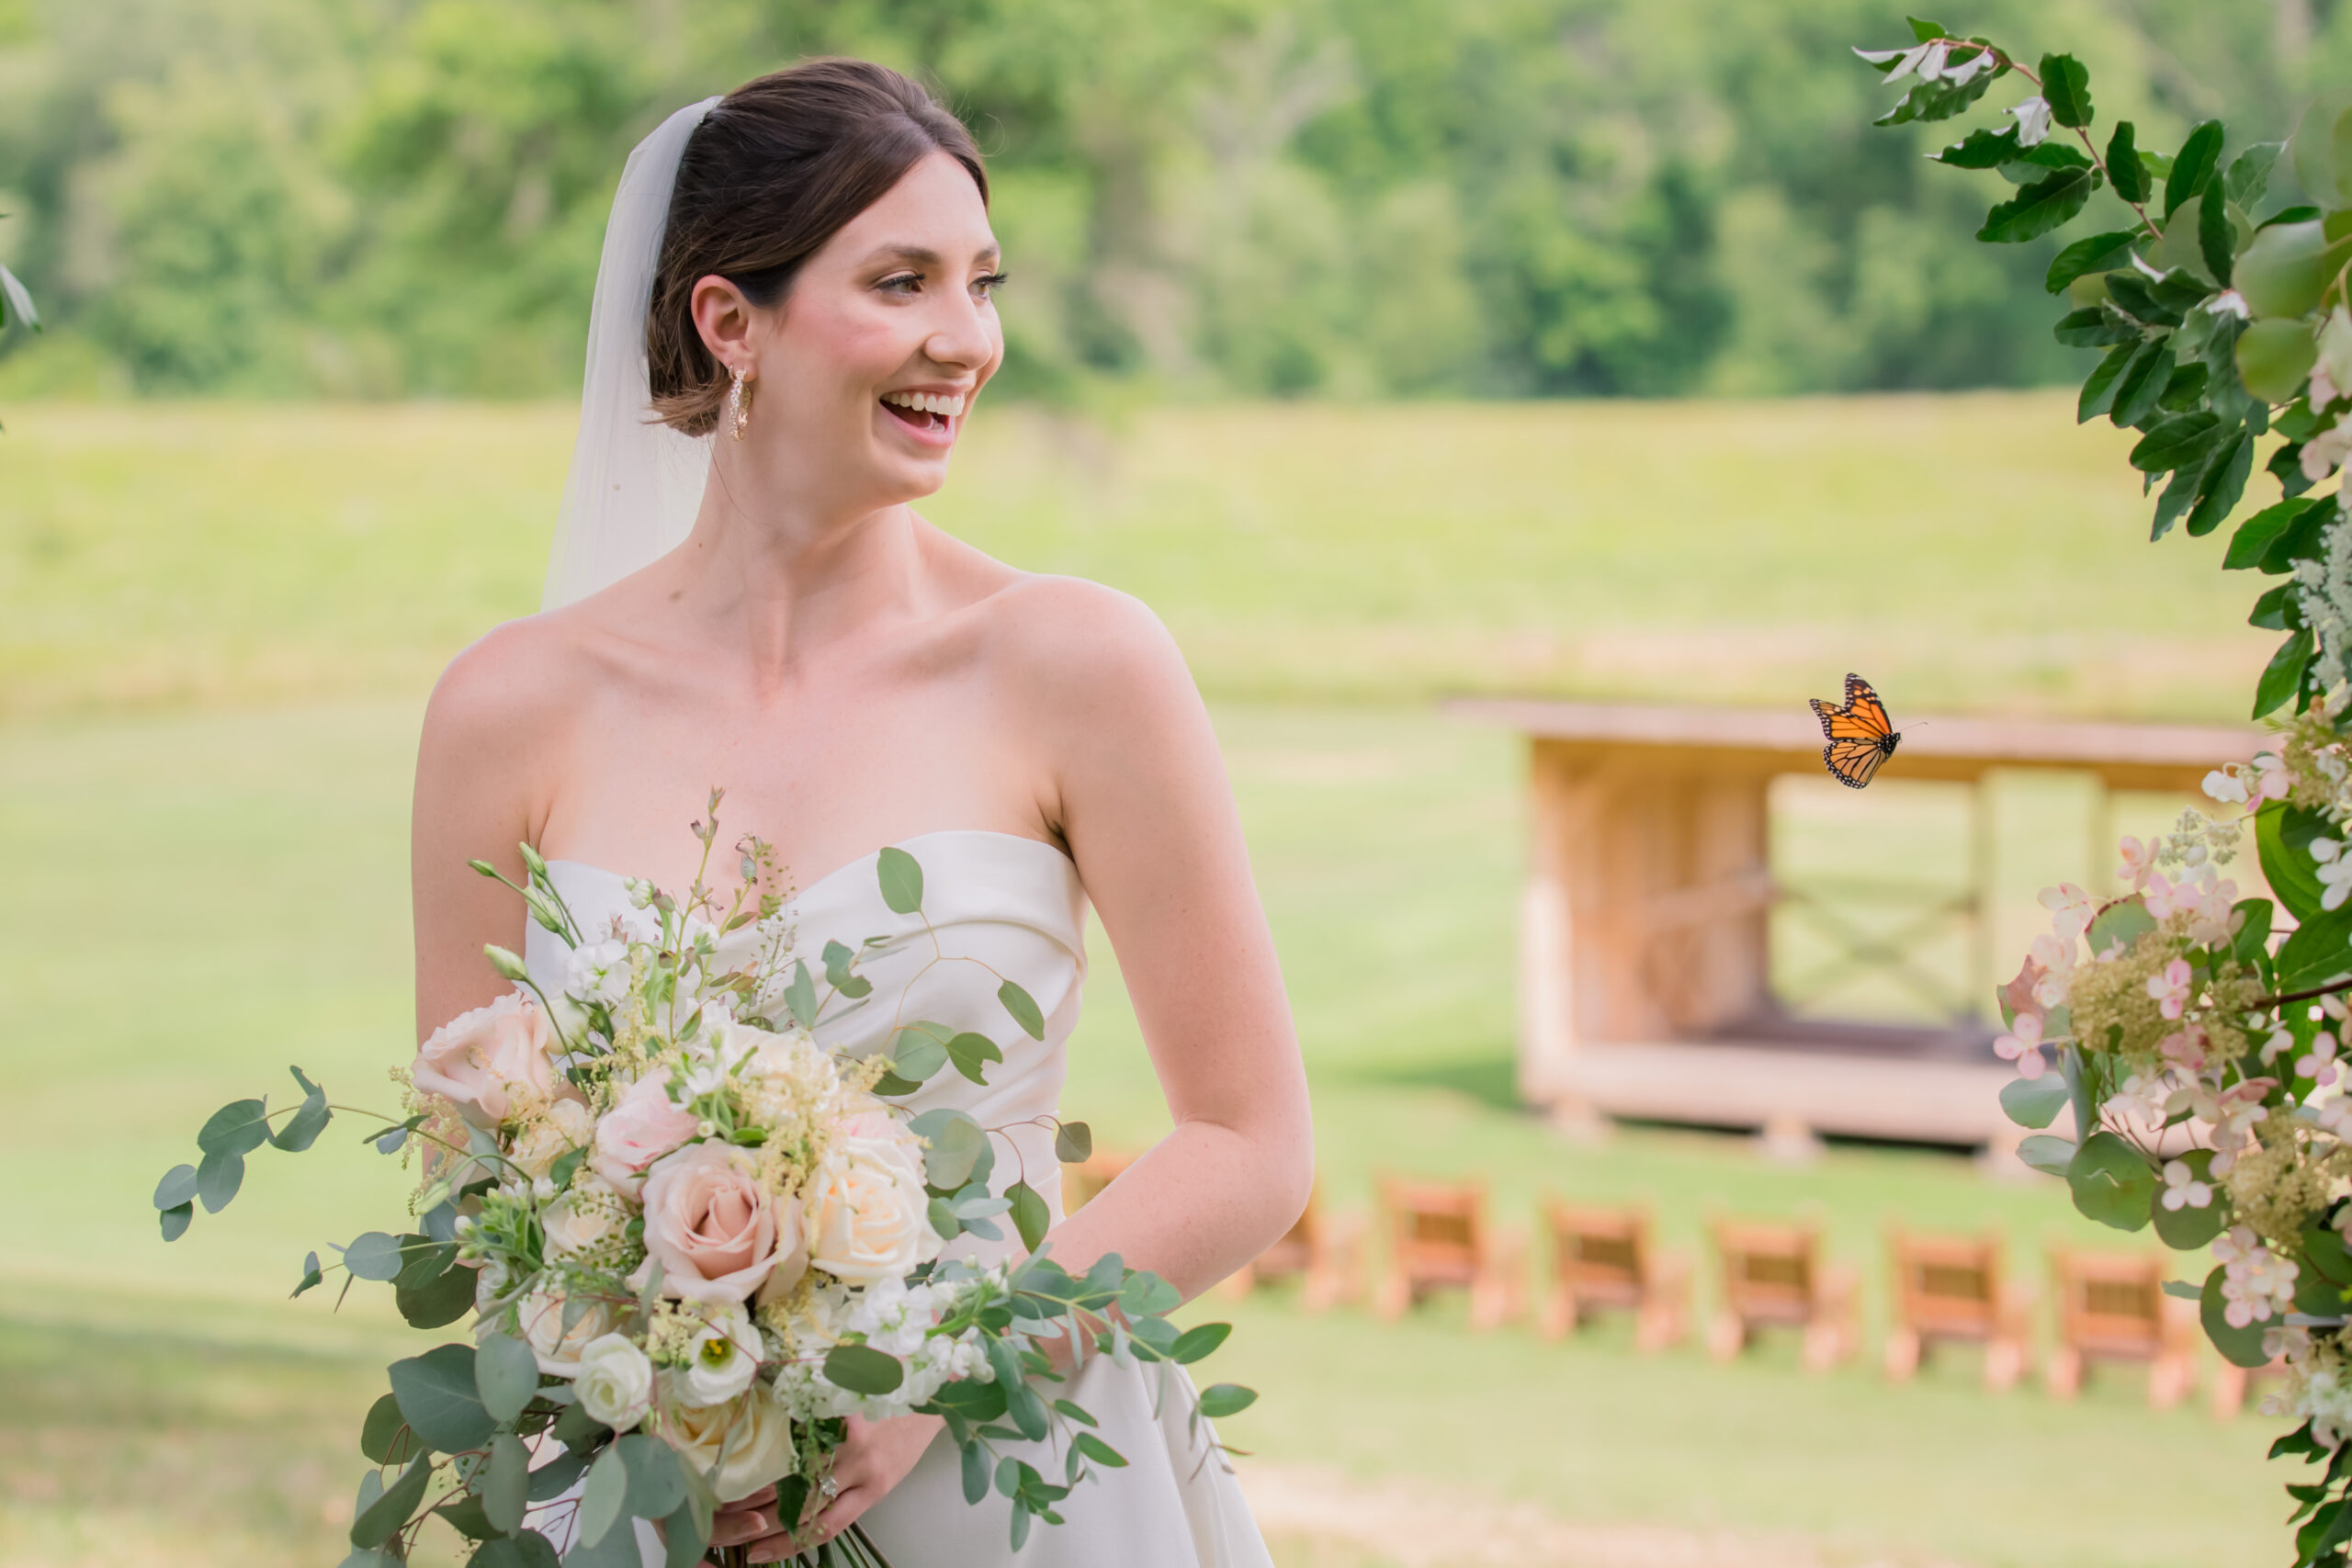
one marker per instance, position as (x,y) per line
(869,857)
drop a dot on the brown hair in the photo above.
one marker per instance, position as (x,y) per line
(772,171)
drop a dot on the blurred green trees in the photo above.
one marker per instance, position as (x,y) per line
(1351,197)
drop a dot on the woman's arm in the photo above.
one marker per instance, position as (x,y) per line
(476,799)
(1143,802)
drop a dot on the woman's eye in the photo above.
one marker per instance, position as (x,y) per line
(989,285)
(903,282)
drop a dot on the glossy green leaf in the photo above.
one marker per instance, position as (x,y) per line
(2248,179)
(2177,440)
(2066,86)
(902,880)
(2274,357)
(2222,483)
(2250,546)
(2142,383)
(2124,170)
(2098,391)
(2319,148)
(2216,238)
(2094,326)
(1983,149)
(2039,207)
(2095,252)
(2193,166)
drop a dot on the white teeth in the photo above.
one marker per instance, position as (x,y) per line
(927,402)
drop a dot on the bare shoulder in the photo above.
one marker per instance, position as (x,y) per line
(1066,639)
(508,682)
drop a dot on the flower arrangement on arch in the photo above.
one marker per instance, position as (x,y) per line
(693,1240)
(2198,1036)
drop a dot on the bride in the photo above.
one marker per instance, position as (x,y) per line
(793,322)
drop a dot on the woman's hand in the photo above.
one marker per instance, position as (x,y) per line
(876,1457)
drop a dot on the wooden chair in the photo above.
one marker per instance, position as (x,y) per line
(1083,1181)
(1437,1237)
(1951,1287)
(1601,1259)
(1323,1251)
(1772,1276)
(2111,1307)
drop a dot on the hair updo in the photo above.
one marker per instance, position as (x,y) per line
(775,170)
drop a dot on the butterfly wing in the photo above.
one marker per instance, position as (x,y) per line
(1853,761)
(1864,717)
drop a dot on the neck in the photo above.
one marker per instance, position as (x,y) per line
(780,572)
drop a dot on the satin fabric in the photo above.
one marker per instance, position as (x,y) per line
(994,905)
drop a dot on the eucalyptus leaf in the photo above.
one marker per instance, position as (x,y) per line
(957,1143)
(384,1437)
(1073,1143)
(506,1374)
(506,1487)
(373,1255)
(375,1524)
(658,1479)
(438,1399)
(174,1221)
(2047,1153)
(902,880)
(2034,1102)
(860,1368)
(1220,1400)
(238,1128)
(1030,1216)
(177,1188)
(601,1500)
(2112,1182)
(1024,1008)
(217,1180)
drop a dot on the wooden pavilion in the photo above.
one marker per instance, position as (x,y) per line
(1645,959)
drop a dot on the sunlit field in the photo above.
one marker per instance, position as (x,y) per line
(216,627)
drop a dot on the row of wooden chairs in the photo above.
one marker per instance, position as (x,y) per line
(1946,1289)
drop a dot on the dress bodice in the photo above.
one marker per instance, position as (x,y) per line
(995,906)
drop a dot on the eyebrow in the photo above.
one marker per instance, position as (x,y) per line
(927,257)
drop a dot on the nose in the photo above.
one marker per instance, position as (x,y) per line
(960,334)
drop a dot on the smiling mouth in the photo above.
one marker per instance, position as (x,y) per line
(930,411)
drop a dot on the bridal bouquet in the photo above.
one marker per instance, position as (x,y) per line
(694,1240)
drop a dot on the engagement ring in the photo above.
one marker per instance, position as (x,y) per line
(829,1489)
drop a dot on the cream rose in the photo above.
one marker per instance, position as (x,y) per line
(749,1438)
(637,1131)
(562,1126)
(710,1225)
(614,1384)
(540,1314)
(868,1208)
(478,1060)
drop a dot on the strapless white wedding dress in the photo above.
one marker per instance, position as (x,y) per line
(1017,904)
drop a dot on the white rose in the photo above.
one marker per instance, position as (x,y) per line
(562,1126)
(751,1433)
(868,1213)
(721,1361)
(614,1384)
(541,1313)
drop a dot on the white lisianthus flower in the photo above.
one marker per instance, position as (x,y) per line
(721,1360)
(598,972)
(2033,121)
(614,1384)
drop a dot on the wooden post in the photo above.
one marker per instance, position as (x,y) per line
(1984,869)
(1548,1031)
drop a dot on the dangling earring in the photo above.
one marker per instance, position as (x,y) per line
(739,403)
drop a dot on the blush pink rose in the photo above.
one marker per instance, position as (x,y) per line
(478,1060)
(639,1130)
(712,1228)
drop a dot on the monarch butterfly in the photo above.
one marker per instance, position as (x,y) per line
(1860,735)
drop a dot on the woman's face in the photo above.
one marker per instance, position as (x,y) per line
(867,368)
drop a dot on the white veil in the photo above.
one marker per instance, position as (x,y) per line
(635,483)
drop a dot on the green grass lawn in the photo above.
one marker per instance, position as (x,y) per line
(215,627)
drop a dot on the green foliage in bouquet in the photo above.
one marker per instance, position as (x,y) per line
(599,1388)
(2198,1038)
